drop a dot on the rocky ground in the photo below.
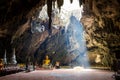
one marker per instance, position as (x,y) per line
(62,74)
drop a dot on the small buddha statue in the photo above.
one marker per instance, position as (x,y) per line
(57,65)
(1,64)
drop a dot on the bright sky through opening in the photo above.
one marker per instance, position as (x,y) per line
(73,8)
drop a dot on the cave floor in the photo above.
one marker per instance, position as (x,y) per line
(61,74)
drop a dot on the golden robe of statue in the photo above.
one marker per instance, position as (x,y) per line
(46,61)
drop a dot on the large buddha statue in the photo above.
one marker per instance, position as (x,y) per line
(46,63)
(47,60)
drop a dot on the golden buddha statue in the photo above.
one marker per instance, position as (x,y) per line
(46,62)
(1,64)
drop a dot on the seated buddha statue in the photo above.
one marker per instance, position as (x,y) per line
(57,65)
(1,64)
(46,62)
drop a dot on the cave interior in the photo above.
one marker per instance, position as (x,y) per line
(93,39)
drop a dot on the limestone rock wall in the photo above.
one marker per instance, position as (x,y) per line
(101,22)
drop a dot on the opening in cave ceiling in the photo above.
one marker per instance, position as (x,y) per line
(59,17)
(51,3)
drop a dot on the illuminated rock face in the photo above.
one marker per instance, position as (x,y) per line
(68,46)
(100,19)
(101,23)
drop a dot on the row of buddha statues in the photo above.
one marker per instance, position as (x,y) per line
(46,64)
(4,62)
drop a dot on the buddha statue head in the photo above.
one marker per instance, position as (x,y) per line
(46,57)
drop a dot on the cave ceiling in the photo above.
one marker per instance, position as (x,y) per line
(100,19)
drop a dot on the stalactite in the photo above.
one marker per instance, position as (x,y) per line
(83,1)
(71,1)
(80,2)
(60,3)
(53,1)
(49,10)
